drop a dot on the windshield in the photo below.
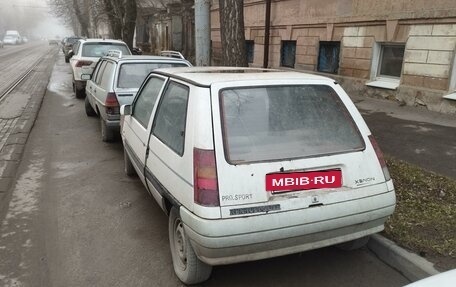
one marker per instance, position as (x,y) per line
(101,49)
(284,122)
(131,75)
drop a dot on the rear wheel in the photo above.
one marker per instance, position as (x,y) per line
(67,59)
(188,268)
(128,165)
(107,134)
(354,244)
(80,93)
(90,112)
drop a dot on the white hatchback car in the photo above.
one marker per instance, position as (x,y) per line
(86,53)
(253,163)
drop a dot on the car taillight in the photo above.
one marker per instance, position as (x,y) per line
(380,157)
(81,63)
(112,105)
(205,184)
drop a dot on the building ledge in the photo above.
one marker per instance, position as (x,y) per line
(451,96)
(390,84)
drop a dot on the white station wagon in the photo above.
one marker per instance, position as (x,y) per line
(253,163)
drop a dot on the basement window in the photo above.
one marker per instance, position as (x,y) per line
(328,57)
(288,54)
(387,65)
(250,49)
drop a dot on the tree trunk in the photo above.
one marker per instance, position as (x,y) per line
(114,20)
(83,22)
(129,22)
(232,32)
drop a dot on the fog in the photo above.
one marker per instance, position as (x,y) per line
(31,18)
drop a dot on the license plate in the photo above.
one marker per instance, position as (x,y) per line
(303,180)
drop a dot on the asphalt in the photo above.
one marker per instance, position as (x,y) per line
(413,134)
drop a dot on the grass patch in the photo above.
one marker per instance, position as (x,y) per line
(425,216)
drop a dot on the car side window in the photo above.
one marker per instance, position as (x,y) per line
(145,102)
(96,70)
(97,80)
(107,76)
(171,117)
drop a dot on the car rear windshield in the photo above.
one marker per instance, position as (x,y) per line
(101,49)
(284,122)
(131,75)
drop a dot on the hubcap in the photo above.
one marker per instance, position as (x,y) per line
(179,242)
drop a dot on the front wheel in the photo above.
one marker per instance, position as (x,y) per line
(188,268)
(90,112)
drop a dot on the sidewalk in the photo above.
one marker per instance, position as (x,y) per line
(413,134)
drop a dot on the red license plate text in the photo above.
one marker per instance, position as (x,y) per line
(303,180)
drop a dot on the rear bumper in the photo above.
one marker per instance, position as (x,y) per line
(226,241)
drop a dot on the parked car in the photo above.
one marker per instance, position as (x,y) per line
(253,163)
(444,279)
(24,39)
(11,40)
(86,53)
(67,46)
(115,81)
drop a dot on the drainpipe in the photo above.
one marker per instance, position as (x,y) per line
(267,28)
(202,32)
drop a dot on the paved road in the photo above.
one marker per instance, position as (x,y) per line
(74,219)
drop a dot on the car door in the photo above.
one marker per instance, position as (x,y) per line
(136,127)
(91,84)
(169,165)
(105,86)
(95,83)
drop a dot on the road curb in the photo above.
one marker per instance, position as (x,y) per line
(412,266)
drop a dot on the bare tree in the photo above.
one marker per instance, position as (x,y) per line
(232,32)
(121,16)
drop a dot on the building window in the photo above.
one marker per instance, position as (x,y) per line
(390,63)
(386,65)
(328,57)
(288,54)
(250,48)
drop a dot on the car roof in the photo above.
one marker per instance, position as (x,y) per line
(132,58)
(205,76)
(97,40)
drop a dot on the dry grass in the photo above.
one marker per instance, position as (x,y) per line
(425,216)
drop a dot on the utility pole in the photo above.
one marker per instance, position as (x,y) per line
(267,28)
(202,32)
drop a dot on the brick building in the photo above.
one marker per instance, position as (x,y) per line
(396,49)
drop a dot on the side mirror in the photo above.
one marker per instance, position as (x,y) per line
(86,77)
(125,110)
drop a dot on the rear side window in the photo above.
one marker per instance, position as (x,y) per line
(131,75)
(145,102)
(285,122)
(107,75)
(102,48)
(169,122)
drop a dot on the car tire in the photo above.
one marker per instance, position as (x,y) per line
(128,165)
(79,93)
(354,244)
(90,112)
(107,134)
(188,268)
(67,60)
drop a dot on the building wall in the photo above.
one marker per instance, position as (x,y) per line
(426,29)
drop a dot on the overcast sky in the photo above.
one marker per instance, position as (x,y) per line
(33,16)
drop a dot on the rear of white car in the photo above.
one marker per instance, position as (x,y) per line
(294,168)
(88,53)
